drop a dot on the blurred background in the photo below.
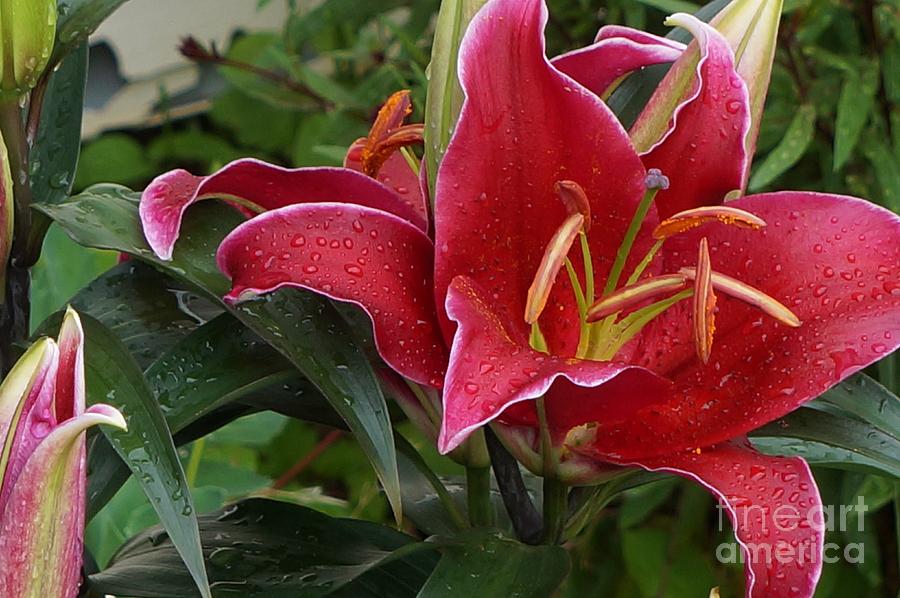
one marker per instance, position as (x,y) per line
(295,82)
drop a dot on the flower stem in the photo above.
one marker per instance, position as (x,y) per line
(478,487)
(555,507)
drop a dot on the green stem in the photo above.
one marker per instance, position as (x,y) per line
(555,508)
(13,128)
(478,488)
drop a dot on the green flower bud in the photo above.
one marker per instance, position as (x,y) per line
(27,32)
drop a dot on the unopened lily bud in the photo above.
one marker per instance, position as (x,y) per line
(27,32)
(736,49)
(751,28)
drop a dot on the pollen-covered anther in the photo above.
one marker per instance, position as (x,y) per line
(636,294)
(388,133)
(575,200)
(553,260)
(684,221)
(750,295)
(656,180)
(704,319)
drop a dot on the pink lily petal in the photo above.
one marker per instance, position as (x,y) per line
(617,52)
(31,418)
(833,260)
(773,504)
(350,253)
(395,174)
(42,523)
(70,390)
(524,126)
(703,152)
(492,368)
(269,187)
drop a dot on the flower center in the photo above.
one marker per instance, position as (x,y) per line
(608,322)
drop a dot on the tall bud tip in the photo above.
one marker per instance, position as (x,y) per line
(27,33)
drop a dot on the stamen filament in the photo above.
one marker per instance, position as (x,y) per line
(588,268)
(655,182)
(537,340)
(576,288)
(634,294)
(644,263)
(634,322)
(750,295)
(411,160)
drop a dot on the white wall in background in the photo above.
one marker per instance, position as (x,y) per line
(145,33)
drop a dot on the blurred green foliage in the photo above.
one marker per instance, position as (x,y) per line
(299,96)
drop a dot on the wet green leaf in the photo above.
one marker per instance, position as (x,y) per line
(485,563)
(114,378)
(271,549)
(77,20)
(856,425)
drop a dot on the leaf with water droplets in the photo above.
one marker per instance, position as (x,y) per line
(790,149)
(78,19)
(114,378)
(272,549)
(485,563)
(855,425)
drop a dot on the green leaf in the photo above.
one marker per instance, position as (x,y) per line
(219,362)
(146,310)
(854,107)
(266,548)
(445,95)
(54,156)
(302,326)
(113,377)
(77,20)
(793,146)
(856,425)
(485,563)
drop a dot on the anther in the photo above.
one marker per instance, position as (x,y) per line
(704,320)
(635,294)
(575,200)
(750,295)
(553,260)
(695,217)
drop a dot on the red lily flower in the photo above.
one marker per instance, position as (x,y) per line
(792,291)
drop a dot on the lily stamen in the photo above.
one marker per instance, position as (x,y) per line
(632,295)
(704,319)
(750,295)
(551,263)
(689,219)
(575,199)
